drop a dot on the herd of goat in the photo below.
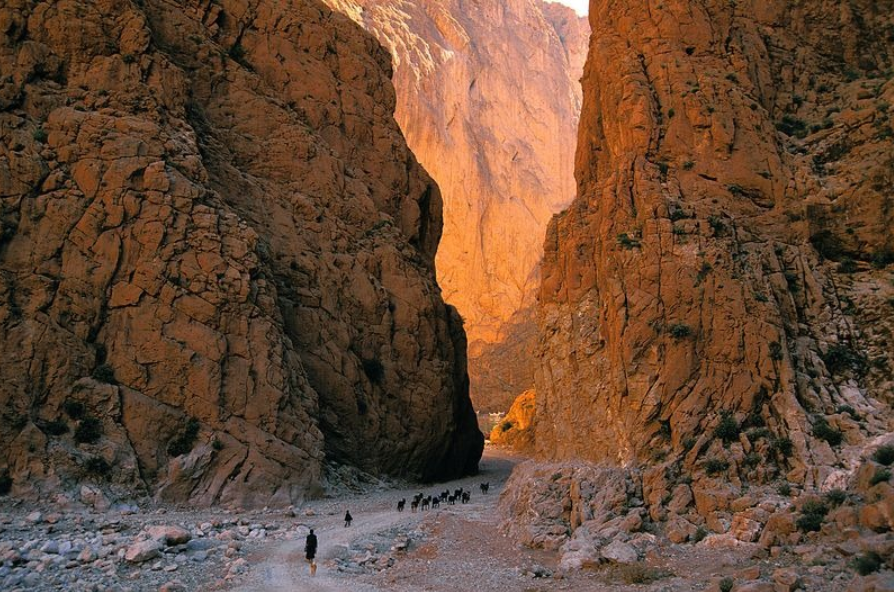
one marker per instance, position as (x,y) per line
(420,501)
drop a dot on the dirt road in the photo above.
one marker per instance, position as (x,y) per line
(283,568)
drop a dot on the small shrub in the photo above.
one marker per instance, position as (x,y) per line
(752,459)
(847,409)
(663,168)
(841,358)
(867,563)
(783,446)
(847,265)
(128,58)
(735,189)
(836,497)
(813,513)
(677,213)
(732,78)
(184,442)
(627,242)
(217,445)
(74,409)
(671,113)
(688,165)
(726,585)
(883,258)
(89,430)
(639,573)
(57,427)
(97,465)
(884,455)
(792,126)
(104,373)
(758,433)
(699,535)
(823,431)
(776,351)
(505,426)
(40,135)
(688,443)
(728,428)
(715,466)
(880,476)
(784,489)
(5,483)
(717,225)
(827,245)
(680,331)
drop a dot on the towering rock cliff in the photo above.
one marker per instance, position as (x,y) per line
(721,287)
(217,257)
(488,98)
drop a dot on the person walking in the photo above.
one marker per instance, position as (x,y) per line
(348,518)
(310,551)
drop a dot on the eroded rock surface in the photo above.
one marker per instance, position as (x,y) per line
(209,212)
(715,292)
(516,430)
(488,97)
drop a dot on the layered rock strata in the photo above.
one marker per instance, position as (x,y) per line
(488,97)
(217,257)
(720,289)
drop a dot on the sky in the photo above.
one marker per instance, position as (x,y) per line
(581,6)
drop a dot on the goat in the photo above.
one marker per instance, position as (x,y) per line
(414,505)
(435,503)
(451,500)
(485,487)
(426,502)
(401,504)
(466,496)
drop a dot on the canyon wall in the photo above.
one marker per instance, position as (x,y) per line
(721,287)
(217,257)
(488,98)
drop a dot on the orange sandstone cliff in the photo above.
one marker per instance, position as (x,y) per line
(721,287)
(217,256)
(488,97)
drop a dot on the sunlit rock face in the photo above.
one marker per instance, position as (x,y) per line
(209,212)
(488,98)
(516,430)
(730,246)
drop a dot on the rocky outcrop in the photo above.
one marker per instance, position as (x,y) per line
(217,257)
(516,430)
(715,295)
(488,97)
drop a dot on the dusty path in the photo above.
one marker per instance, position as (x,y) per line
(284,568)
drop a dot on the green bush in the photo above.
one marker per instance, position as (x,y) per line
(96,465)
(40,135)
(880,476)
(699,535)
(827,245)
(237,52)
(847,265)
(784,489)
(726,585)
(57,427)
(752,459)
(679,331)
(74,409)
(627,242)
(128,58)
(867,563)
(847,409)
(728,428)
(184,442)
(783,446)
(714,466)
(688,165)
(758,433)
(813,513)
(823,431)
(5,483)
(506,426)
(884,455)
(688,443)
(792,126)
(717,225)
(836,497)
(841,358)
(216,444)
(89,430)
